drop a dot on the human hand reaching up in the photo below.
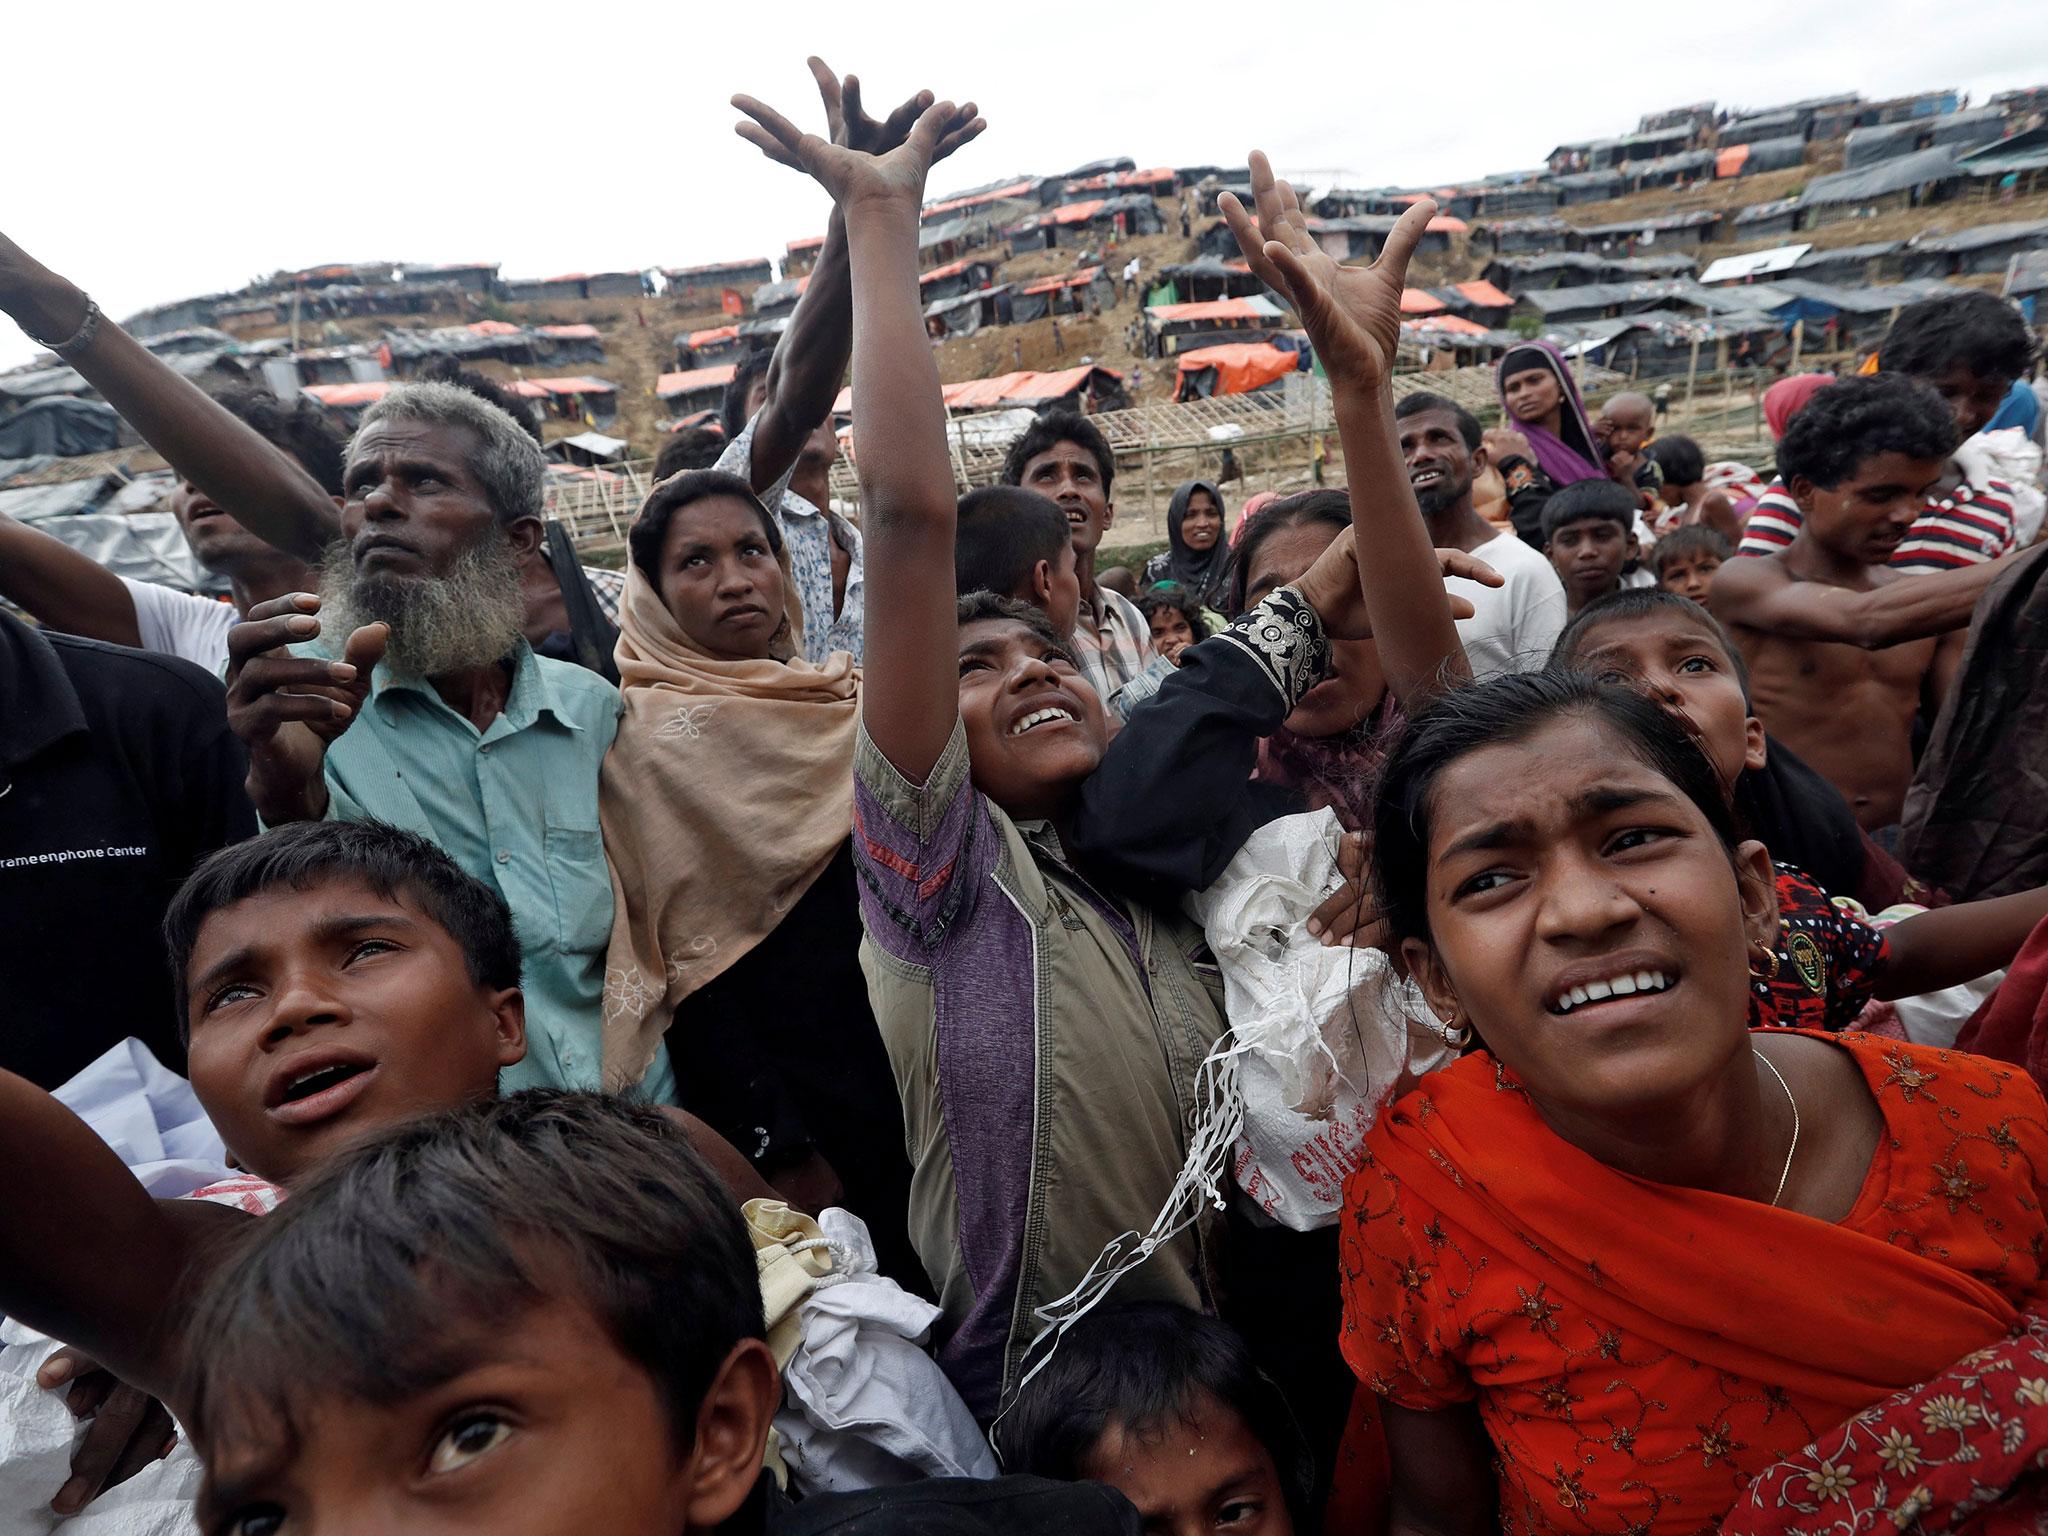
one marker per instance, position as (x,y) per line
(862,159)
(1352,314)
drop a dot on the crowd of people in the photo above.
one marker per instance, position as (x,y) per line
(788,1036)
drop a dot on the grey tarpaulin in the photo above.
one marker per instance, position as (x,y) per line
(64,427)
(145,547)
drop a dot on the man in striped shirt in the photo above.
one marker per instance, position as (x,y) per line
(1844,649)
(1969,347)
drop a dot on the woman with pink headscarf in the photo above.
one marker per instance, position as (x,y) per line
(1787,398)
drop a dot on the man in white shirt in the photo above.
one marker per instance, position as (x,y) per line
(1513,626)
(71,592)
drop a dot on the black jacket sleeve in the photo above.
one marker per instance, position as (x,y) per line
(1173,799)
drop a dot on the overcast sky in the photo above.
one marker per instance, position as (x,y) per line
(202,145)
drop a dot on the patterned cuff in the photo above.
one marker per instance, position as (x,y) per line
(1285,637)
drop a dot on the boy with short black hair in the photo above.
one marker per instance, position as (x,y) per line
(336,977)
(1685,560)
(536,1315)
(550,1291)
(1016,543)
(1844,649)
(1589,535)
(1169,1408)
(1064,456)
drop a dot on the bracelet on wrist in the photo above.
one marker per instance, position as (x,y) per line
(79,339)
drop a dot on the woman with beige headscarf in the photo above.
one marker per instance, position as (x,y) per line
(727,803)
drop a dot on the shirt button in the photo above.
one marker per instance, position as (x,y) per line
(504,857)
(485,749)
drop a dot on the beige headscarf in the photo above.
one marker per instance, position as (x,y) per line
(728,791)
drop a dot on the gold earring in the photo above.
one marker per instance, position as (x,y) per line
(1769,969)
(1456,1033)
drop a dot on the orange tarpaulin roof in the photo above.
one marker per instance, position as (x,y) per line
(695,378)
(1214,309)
(951,269)
(1457,324)
(808,243)
(970,394)
(1484,294)
(716,333)
(1125,178)
(349,394)
(1729,162)
(1414,301)
(1015,189)
(494,328)
(1073,213)
(1240,366)
(1077,280)
(570,332)
(1446,224)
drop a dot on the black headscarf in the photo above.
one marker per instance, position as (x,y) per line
(1201,573)
(1803,820)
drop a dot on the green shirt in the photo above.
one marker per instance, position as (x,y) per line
(516,806)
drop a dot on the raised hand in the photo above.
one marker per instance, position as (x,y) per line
(849,125)
(1352,314)
(861,158)
(288,709)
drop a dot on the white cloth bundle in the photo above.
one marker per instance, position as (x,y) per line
(1323,1035)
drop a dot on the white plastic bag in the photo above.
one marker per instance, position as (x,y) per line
(1325,1035)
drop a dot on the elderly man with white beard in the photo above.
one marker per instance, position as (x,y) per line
(404,692)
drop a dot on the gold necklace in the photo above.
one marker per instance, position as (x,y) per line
(1793,1150)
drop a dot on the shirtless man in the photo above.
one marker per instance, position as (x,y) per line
(1844,650)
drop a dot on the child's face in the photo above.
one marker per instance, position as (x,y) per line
(1681,664)
(540,1426)
(1009,676)
(1194,1475)
(1171,633)
(1588,556)
(1973,397)
(318,1016)
(1690,575)
(1626,424)
(1865,518)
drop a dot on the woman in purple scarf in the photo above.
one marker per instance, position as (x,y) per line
(1538,395)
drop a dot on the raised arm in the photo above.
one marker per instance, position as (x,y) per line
(810,359)
(1757,594)
(910,685)
(86,1255)
(260,485)
(1353,318)
(64,589)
